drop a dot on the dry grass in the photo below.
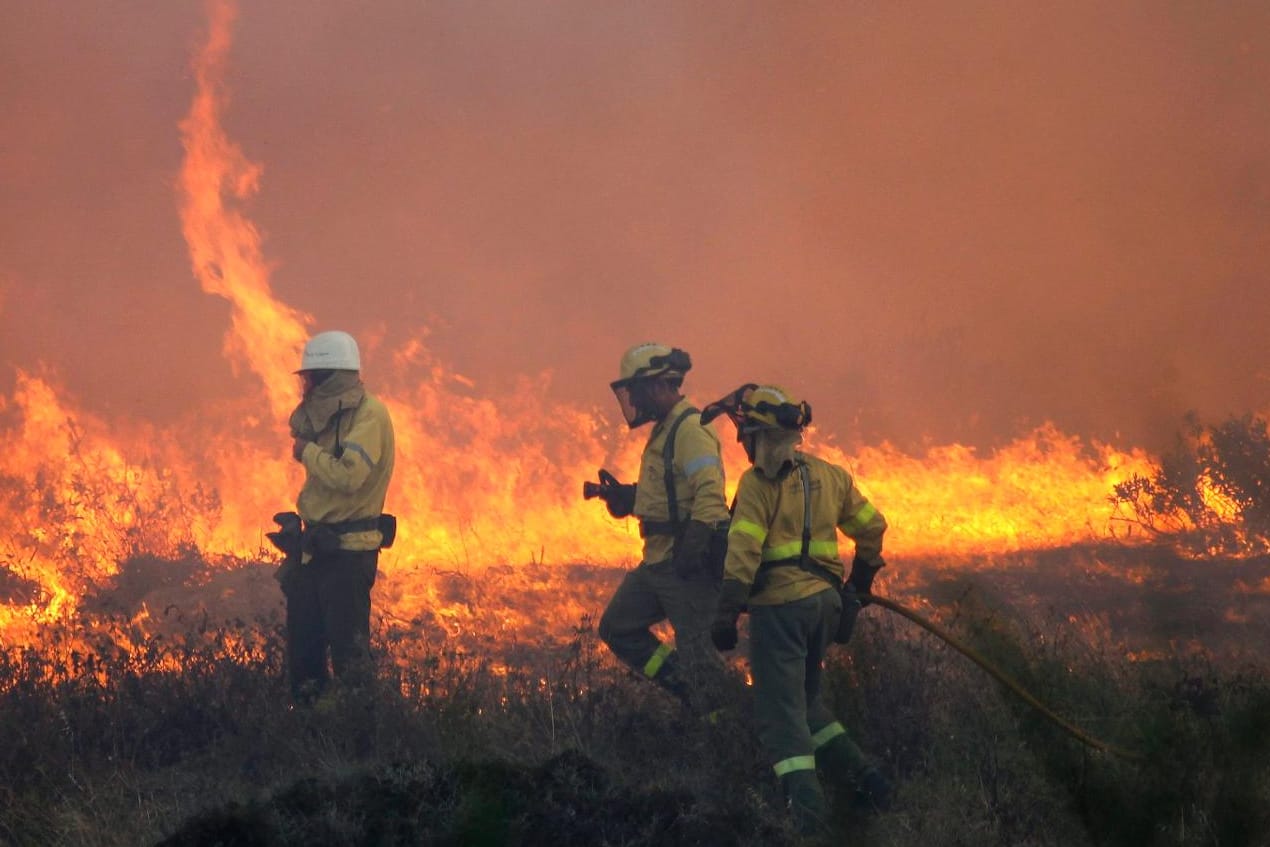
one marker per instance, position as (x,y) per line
(548,742)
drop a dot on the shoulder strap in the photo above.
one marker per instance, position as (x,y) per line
(804,559)
(338,452)
(668,460)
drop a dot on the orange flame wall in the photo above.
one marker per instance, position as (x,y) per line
(482,480)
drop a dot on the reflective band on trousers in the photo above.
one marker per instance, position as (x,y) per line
(655,661)
(794,763)
(859,520)
(827,733)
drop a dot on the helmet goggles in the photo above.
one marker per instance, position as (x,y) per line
(753,408)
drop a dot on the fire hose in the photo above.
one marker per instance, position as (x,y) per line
(1001,677)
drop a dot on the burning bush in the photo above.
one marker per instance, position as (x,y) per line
(1212,492)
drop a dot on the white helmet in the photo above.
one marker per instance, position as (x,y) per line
(331,351)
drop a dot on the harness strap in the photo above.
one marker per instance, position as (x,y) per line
(673,525)
(668,460)
(804,560)
(805,476)
(338,452)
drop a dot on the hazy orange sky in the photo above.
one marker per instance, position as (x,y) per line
(944,221)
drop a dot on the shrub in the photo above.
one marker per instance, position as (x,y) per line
(1212,492)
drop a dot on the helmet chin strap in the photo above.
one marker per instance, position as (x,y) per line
(663,397)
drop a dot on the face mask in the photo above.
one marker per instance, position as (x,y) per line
(773,448)
(636,404)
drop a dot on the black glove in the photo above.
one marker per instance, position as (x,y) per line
(691,546)
(618,497)
(851,606)
(287,540)
(287,537)
(861,578)
(732,599)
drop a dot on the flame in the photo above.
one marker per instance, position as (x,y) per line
(1044,489)
(487,486)
(224,245)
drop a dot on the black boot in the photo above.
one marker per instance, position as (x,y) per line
(872,791)
(846,766)
(840,759)
(806,802)
(671,678)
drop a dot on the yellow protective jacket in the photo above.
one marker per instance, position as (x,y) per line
(355,484)
(767,526)
(698,476)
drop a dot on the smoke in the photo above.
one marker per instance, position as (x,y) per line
(936,222)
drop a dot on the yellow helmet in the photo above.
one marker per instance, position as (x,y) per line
(754,407)
(772,407)
(645,361)
(640,366)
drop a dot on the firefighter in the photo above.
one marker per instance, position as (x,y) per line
(783,564)
(343,437)
(679,501)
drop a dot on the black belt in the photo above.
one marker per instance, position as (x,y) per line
(647,528)
(345,527)
(811,567)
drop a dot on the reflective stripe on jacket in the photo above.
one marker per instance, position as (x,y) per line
(767,526)
(698,479)
(355,484)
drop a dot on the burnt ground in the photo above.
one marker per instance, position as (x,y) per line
(1143,601)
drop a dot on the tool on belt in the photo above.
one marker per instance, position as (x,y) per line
(295,537)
